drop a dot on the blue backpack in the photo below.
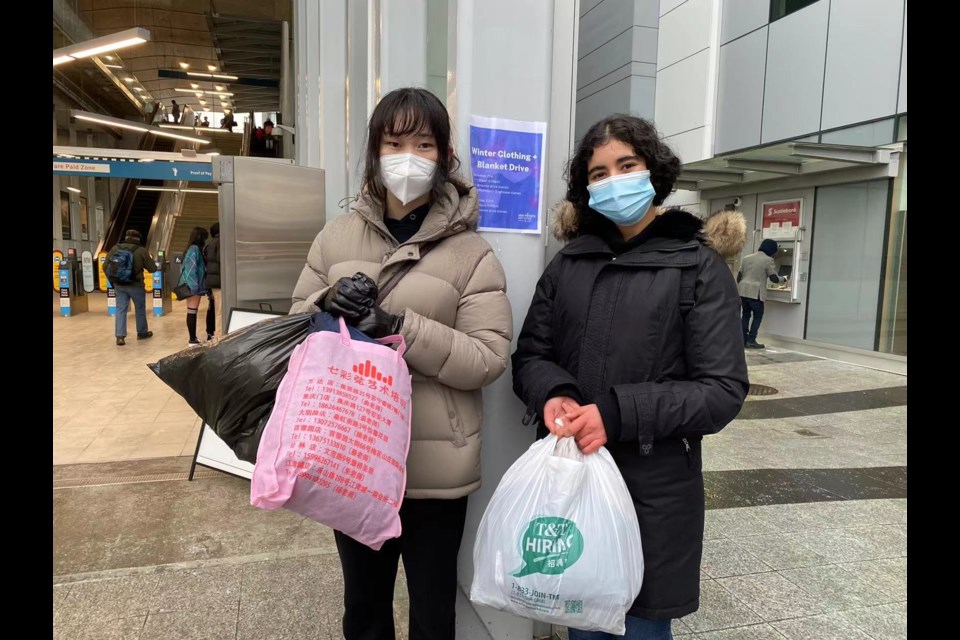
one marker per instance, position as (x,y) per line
(120,267)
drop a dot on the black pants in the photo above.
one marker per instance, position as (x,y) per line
(429,545)
(754,307)
(211,313)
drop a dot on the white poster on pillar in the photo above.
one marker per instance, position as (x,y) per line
(506,159)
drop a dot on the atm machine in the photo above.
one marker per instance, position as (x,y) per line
(782,221)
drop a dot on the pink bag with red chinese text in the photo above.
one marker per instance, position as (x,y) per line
(335,447)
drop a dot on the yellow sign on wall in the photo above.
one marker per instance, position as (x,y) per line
(101,263)
(57,259)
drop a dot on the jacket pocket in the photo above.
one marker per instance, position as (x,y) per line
(453,417)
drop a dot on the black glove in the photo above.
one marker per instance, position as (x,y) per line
(350,297)
(377,323)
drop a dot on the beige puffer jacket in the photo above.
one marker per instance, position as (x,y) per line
(457,326)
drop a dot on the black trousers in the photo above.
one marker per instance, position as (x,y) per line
(429,545)
(755,308)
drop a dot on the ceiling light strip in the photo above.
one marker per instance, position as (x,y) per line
(126,124)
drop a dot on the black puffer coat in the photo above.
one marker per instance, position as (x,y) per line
(611,326)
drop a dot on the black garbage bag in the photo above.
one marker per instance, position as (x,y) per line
(232,384)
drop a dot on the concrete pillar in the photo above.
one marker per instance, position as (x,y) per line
(504,68)
(403,45)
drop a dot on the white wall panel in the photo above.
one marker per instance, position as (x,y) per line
(793,88)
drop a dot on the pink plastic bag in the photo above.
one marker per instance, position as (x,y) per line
(335,447)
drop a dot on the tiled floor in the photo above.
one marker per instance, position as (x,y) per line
(805,529)
(107,404)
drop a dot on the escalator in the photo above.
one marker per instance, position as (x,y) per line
(136,209)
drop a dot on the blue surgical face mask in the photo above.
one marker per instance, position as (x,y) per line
(624,199)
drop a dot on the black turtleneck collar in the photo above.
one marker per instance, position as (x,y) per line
(406,227)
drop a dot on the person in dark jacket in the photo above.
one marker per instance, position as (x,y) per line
(633,341)
(755,270)
(132,290)
(211,258)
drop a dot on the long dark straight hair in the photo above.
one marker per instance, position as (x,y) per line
(409,111)
(197,237)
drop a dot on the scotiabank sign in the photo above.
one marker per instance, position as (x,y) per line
(781,219)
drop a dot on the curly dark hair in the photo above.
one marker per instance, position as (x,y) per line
(662,162)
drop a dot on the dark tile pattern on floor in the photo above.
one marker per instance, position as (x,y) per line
(758,358)
(824,403)
(759,487)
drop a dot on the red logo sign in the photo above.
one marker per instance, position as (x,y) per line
(367,370)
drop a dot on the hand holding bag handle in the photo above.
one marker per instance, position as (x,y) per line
(388,340)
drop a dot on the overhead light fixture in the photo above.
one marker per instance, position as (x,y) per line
(214,76)
(219,87)
(175,190)
(74,189)
(129,79)
(194,85)
(200,92)
(113,66)
(133,126)
(212,67)
(127,38)
(138,88)
(184,65)
(109,57)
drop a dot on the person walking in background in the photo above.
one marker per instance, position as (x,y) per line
(211,260)
(193,274)
(124,268)
(175,111)
(756,269)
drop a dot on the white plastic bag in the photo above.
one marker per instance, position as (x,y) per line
(559,541)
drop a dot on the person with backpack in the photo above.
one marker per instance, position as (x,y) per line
(211,260)
(124,268)
(193,274)
(633,342)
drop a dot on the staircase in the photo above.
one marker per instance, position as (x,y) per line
(228,144)
(199,210)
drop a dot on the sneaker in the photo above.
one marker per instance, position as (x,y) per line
(144,336)
(194,343)
(210,337)
(121,341)
(755,345)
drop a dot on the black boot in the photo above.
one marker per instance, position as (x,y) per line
(192,326)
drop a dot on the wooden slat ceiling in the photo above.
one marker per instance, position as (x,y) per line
(238,37)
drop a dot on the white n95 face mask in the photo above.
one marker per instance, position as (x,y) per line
(407,175)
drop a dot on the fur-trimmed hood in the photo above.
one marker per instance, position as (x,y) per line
(725,231)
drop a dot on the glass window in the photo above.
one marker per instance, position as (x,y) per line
(846,264)
(781,8)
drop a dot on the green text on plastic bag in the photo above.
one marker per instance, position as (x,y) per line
(549,546)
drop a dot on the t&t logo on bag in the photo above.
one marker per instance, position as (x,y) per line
(550,546)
